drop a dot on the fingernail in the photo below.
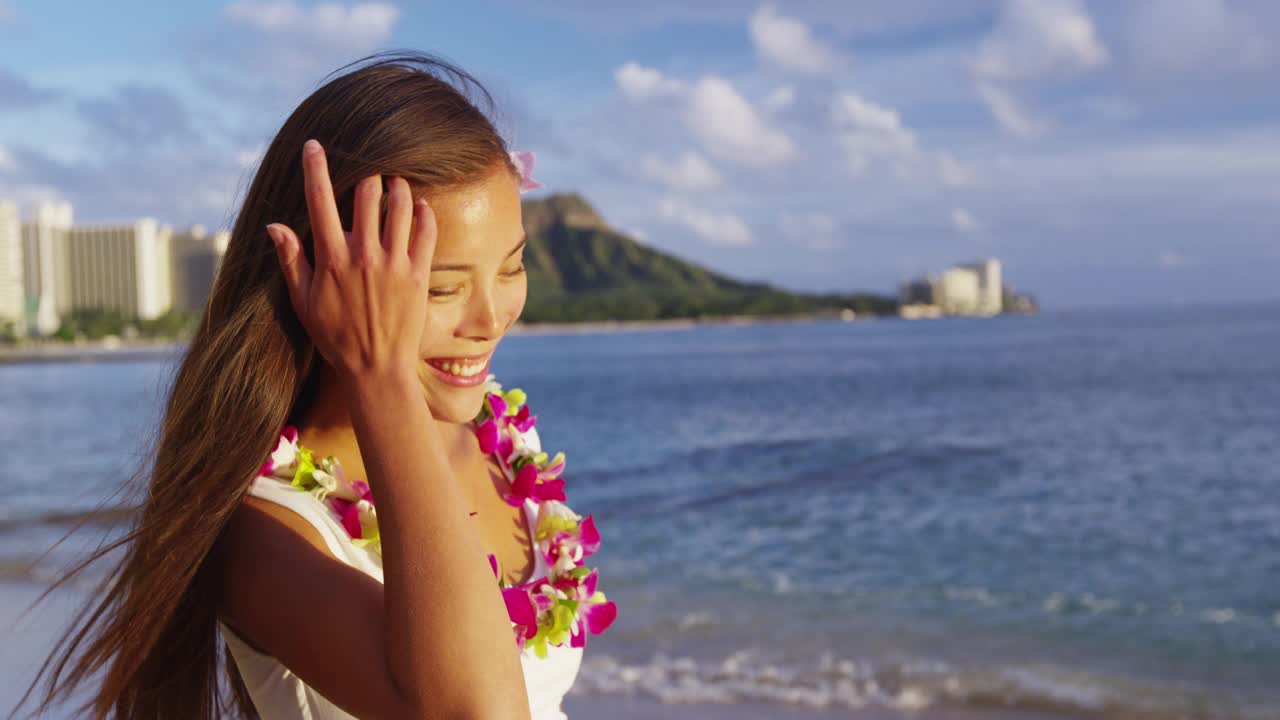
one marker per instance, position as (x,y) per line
(310,147)
(274,233)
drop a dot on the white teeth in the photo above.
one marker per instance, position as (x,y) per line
(460,369)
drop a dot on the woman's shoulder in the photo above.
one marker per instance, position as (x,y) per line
(258,522)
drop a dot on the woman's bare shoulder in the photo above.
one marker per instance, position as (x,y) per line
(282,589)
(258,521)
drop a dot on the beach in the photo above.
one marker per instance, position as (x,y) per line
(1050,516)
(28,636)
(119,350)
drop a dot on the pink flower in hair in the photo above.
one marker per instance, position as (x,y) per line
(523,160)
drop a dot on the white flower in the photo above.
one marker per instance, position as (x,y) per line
(567,560)
(368,515)
(491,385)
(284,459)
(520,445)
(554,515)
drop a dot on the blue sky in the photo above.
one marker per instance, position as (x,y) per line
(1109,152)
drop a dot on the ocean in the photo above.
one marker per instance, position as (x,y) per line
(1073,514)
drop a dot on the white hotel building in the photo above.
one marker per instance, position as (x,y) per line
(975,289)
(141,269)
(44,262)
(119,267)
(13,300)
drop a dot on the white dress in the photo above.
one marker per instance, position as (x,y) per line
(278,694)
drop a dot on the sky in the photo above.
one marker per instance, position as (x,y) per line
(1109,153)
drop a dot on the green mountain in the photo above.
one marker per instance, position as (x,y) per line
(580,269)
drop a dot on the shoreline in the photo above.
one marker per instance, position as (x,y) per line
(86,352)
(32,632)
(117,350)
(614,326)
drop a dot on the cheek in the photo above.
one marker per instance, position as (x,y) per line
(513,300)
(440,321)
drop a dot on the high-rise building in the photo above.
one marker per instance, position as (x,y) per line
(13,299)
(958,291)
(45,269)
(126,267)
(197,255)
(990,286)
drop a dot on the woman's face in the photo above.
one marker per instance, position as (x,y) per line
(478,289)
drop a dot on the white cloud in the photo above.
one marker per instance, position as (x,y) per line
(691,172)
(871,132)
(1033,40)
(270,53)
(952,173)
(1009,112)
(963,221)
(724,122)
(730,128)
(781,98)
(814,230)
(1170,259)
(640,83)
(1037,38)
(788,42)
(358,25)
(719,228)
(249,156)
(28,194)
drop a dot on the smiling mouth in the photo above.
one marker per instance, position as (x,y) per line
(461,370)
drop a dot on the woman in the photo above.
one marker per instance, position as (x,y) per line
(364,327)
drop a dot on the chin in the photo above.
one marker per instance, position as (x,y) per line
(456,405)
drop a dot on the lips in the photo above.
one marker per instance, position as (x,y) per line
(461,370)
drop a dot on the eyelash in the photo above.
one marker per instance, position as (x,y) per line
(447,293)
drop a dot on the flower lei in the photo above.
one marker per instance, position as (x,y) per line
(563,605)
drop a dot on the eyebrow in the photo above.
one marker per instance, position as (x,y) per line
(524,238)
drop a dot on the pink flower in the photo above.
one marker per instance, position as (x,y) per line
(487,434)
(597,616)
(595,612)
(521,611)
(523,160)
(566,550)
(527,485)
(523,420)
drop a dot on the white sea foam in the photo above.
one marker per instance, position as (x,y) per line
(833,682)
(979,595)
(1054,603)
(696,619)
(1218,616)
(782,584)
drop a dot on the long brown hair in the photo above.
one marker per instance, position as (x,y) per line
(150,636)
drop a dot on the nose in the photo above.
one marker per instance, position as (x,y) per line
(481,321)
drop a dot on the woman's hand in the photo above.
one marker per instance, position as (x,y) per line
(365,303)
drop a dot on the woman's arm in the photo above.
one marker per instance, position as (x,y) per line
(434,640)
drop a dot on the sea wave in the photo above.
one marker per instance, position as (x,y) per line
(114,516)
(905,686)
